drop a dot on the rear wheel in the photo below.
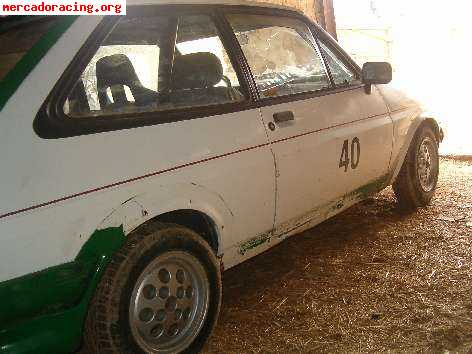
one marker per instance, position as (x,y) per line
(161,293)
(418,177)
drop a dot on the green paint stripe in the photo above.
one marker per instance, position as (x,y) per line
(15,77)
(44,312)
(253,243)
(50,290)
(59,332)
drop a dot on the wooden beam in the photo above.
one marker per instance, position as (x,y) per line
(319,13)
(329,19)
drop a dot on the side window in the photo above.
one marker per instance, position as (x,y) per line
(342,75)
(281,52)
(139,68)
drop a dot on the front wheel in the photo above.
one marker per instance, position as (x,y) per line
(418,177)
(161,293)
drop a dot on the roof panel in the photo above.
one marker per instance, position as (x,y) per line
(211,2)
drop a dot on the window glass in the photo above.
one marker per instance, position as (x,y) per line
(342,75)
(138,68)
(281,53)
(189,42)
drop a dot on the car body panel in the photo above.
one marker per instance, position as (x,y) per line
(308,150)
(251,4)
(55,193)
(407,116)
(96,193)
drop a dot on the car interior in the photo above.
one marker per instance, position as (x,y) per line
(194,79)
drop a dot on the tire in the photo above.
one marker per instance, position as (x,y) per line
(122,319)
(414,187)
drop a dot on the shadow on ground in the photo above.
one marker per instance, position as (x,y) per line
(370,279)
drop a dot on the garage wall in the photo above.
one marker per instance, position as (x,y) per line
(320,11)
(307,6)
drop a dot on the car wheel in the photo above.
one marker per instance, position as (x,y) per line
(161,293)
(418,177)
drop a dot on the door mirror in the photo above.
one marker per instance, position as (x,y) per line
(376,73)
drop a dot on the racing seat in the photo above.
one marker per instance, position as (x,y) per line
(194,78)
(115,72)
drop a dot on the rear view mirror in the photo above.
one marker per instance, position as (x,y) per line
(376,73)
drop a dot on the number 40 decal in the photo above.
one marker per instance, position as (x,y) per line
(355,154)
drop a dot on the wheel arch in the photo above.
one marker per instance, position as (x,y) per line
(433,124)
(416,125)
(195,220)
(190,205)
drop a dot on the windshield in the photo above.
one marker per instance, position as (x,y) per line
(281,53)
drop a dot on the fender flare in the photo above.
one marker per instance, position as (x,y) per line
(415,126)
(138,209)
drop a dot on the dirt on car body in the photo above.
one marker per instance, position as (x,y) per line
(370,279)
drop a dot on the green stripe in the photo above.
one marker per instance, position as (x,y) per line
(45,312)
(50,290)
(15,77)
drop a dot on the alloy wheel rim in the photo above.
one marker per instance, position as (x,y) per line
(426,165)
(169,303)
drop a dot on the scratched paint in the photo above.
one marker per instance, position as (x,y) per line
(368,189)
(327,210)
(254,242)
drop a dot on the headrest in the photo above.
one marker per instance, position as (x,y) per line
(197,70)
(116,69)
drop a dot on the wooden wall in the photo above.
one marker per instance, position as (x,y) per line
(320,11)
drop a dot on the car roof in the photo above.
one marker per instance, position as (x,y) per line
(212,2)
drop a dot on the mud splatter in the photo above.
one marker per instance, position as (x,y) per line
(369,280)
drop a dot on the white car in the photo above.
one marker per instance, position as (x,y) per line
(143,155)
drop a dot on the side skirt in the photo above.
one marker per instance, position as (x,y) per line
(252,247)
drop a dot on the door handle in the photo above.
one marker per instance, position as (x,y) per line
(283,116)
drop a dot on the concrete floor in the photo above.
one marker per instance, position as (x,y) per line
(370,279)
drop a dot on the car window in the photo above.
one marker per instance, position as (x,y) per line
(189,42)
(341,73)
(138,68)
(281,52)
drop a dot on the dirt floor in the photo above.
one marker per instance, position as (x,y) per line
(370,279)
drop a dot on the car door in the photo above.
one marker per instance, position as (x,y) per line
(373,140)
(330,139)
